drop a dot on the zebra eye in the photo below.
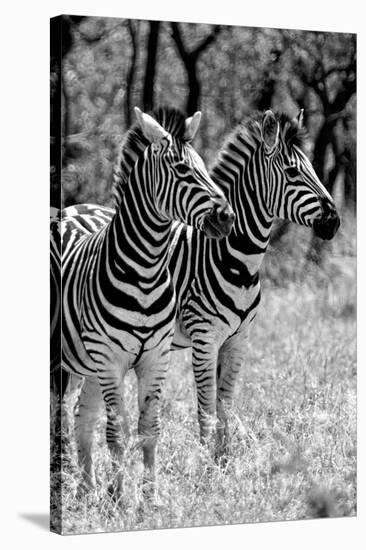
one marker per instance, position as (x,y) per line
(182,169)
(292,172)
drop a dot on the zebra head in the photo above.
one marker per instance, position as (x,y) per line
(295,192)
(182,189)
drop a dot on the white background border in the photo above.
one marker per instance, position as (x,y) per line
(24,180)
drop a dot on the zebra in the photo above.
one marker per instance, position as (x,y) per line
(264,173)
(118,301)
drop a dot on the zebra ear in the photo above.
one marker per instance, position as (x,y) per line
(300,118)
(270,131)
(150,128)
(192,124)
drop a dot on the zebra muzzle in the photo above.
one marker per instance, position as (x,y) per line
(327,226)
(219,222)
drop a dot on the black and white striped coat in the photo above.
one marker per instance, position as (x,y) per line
(264,174)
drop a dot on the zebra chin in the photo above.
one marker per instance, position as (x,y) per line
(219,222)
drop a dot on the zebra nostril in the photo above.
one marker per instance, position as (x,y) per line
(226,215)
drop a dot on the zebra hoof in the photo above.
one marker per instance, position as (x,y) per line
(221,459)
(115,490)
(148,491)
(148,503)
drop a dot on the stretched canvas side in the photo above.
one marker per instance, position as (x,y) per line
(55,274)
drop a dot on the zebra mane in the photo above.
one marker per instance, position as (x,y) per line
(249,131)
(293,134)
(134,144)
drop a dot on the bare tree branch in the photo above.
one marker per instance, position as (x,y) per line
(203,45)
(90,39)
(207,41)
(179,41)
(190,59)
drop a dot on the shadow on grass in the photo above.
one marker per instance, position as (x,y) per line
(41,520)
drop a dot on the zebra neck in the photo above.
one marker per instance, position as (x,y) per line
(138,242)
(241,177)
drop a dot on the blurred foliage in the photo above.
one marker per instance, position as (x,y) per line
(238,69)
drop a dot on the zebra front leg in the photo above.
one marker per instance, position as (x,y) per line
(229,364)
(151,373)
(111,383)
(89,410)
(204,360)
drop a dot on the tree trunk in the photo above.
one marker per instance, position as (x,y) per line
(350,187)
(190,60)
(194,90)
(269,82)
(152,48)
(133,30)
(322,141)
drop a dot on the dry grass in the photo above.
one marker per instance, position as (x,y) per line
(293,449)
